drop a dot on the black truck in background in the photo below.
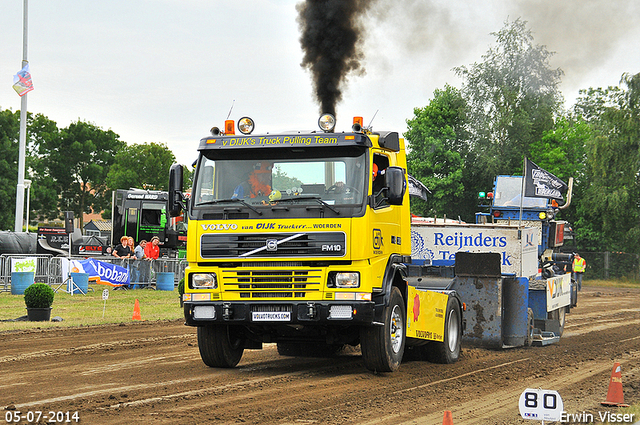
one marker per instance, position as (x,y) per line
(142,214)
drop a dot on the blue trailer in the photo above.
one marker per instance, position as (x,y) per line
(506,268)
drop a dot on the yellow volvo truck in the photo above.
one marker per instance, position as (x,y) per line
(303,239)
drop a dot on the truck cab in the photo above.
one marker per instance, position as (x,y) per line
(299,239)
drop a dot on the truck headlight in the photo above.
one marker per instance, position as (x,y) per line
(246,125)
(327,123)
(347,280)
(204,281)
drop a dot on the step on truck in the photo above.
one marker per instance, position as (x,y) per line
(508,267)
(303,239)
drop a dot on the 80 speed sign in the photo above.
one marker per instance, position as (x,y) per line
(541,405)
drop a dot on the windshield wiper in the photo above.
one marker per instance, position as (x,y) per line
(235,200)
(313,198)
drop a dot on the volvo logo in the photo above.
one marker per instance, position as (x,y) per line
(272,245)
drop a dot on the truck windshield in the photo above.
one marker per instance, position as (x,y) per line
(257,182)
(507,194)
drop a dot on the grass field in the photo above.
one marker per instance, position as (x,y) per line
(83,310)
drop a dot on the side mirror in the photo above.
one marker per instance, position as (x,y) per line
(395,182)
(176,201)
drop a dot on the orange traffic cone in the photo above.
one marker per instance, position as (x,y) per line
(615,397)
(447,420)
(136,311)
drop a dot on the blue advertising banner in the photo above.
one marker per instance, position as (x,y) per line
(101,271)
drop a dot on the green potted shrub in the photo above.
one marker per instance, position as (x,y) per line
(38,299)
(181,290)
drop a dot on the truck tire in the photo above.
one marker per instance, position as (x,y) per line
(448,351)
(383,346)
(220,346)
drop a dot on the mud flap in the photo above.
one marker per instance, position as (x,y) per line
(426,314)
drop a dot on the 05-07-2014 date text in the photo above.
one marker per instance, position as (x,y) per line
(36,416)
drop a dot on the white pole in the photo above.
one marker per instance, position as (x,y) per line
(23,133)
(524,180)
(27,184)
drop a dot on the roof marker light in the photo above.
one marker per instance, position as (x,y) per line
(357,124)
(228,128)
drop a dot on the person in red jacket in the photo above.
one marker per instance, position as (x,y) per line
(151,251)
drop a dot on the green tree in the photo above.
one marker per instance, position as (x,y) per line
(143,166)
(561,151)
(44,192)
(513,97)
(610,211)
(9,134)
(437,139)
(78,160)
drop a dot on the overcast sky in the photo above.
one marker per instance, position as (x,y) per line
(166,71)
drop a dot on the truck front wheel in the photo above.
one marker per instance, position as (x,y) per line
(383,346)
(220,345)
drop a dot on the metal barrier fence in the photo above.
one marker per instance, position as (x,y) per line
(6,265)
(612,265)
(49,268)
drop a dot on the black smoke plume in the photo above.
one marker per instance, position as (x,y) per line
(331,40)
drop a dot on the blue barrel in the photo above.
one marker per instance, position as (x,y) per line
(515,302)
(164,281)
(81,280)
(20,281)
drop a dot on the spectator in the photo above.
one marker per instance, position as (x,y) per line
(579,266)
(151,250)
(122,250)
(140,268)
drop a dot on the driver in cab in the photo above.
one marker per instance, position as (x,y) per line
(258,182)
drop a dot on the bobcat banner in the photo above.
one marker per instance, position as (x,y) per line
(539,183)
(101,272)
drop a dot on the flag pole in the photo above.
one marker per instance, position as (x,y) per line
(524,179)
(23,132)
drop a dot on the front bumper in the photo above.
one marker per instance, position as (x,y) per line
(280,313)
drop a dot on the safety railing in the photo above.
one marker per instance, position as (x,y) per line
(49,269)
(6,266)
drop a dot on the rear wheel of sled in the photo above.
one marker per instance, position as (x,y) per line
(530,326)
(560,316)
(220,345)
(383,346)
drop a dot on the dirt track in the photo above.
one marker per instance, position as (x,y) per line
(152,373)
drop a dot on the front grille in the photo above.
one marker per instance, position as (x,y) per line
(271,283)
(273,245)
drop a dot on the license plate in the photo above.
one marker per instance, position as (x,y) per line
(271,316)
